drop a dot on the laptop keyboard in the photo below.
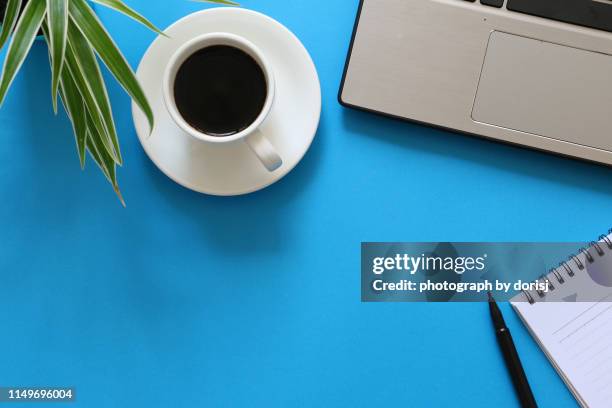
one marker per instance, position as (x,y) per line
(587,13)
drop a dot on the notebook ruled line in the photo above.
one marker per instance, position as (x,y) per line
(581,314)
(585,324)
(593,355)
(588,333)
(603,336)
(601,364)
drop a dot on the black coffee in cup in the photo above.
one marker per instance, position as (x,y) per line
(220,90)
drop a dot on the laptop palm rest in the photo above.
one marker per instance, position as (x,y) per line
(546,89)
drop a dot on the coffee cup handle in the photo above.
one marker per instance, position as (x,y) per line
(264,150)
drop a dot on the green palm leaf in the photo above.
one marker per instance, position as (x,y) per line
(88,67)
(75,107)
(106,162)
(73,104)
(101,157)
(93,152)
(23,38)
(81,81)
(11,15)
(124,9)
(57,16)
(89,24)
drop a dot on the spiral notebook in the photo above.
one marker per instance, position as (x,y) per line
(572,323)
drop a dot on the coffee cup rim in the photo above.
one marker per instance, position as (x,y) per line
(201,42)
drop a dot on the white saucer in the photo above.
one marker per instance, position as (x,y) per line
(291,125)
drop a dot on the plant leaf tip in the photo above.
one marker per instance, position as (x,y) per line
(119,195)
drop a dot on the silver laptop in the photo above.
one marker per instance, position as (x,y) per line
(536,73)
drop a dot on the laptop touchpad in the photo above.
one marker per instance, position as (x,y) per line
(547,90)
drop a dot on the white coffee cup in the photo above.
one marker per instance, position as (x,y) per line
(252,136)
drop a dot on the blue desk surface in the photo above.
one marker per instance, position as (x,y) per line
(182,300)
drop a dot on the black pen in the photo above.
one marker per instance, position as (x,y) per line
(511,357)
